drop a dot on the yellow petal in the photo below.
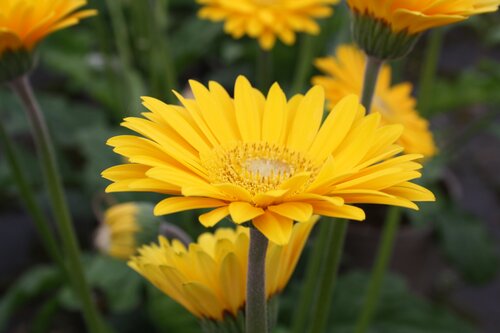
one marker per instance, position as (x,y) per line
(179,204)
(276,228)
(243,211)
(297,211)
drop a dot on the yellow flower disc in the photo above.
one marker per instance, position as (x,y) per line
(267,20)
(415,16)
(209,278)
(23,23)
(265,160)
(344,76)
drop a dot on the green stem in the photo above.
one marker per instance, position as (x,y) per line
(328,279)
(373,66)
(41,223)
(315,263)
(22,88)
(384,253)
(264,70)
(428,74)
(120,31)
(256,305)
(163,73)
(304,64)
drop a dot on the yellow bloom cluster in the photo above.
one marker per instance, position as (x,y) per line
(209,277)
(23,23)
(265,160)
(415,16)
(344,76)
(267,20)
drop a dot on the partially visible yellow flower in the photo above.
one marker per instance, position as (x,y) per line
(262,160)
(267,20)
(23,23)
(344,76)
(209,278)
(125,227)
(415,16)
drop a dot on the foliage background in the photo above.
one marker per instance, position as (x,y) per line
(91,76)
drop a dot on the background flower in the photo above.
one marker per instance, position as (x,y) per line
(125,227)
(269,161)
(267,20)
(23,23)
(209,277)
(344,76)
(415,16)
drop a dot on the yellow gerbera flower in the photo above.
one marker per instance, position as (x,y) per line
(414,16)
(267,19)
(125,227)
(209,278)
(269,161)
(344,76)
(23,23)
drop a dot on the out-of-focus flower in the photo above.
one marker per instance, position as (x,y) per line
(344,76)
(125,227)
(388,29)
(265,160)
(267,20)
(24,23)
(209,277)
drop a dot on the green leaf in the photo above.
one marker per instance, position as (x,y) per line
(33,283)
(119,284)
(467,244)
(398,310)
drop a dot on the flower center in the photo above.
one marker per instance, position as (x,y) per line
(257,167)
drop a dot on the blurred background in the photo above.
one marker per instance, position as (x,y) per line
(444,273)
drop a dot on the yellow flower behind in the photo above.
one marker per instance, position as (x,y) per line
(267,20)
(116,235)
(23,23)
(125,227)
(415,16)
(262,160)
(209,278)
(344,76)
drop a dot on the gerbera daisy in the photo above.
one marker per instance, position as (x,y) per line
(414,16)
(344,76)
(125,227)
(24,23)
(265,160)
(267,20)
(209,277)
(389,29)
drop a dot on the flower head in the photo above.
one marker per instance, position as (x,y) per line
(267,20)
(344,76)
(265,160)
(124,228)
(209,277)
(23,23)
(415,16)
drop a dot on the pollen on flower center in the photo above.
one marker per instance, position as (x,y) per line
(257,167)
(266,167)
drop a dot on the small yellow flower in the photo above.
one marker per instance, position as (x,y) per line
(23,23)
(265,160)
(415,16)
(267,20)
(209,278)
(344,76)
(125,227)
